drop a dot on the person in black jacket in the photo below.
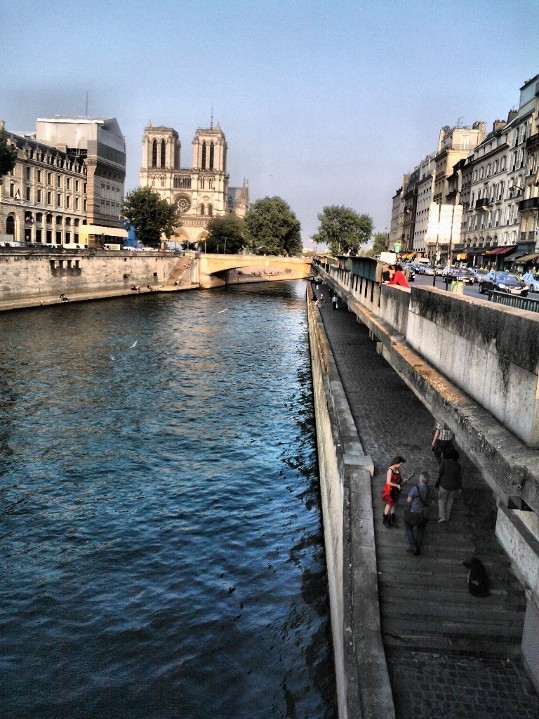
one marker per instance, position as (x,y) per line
(449,482)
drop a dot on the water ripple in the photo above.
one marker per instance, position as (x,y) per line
(161,540)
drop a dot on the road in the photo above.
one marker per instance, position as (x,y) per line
(469,290)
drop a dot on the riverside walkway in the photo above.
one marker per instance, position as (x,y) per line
(449,655)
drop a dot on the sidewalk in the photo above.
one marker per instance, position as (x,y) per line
(450,655)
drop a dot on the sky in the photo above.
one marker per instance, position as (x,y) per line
(321,102)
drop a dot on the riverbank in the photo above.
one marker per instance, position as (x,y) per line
(22,303)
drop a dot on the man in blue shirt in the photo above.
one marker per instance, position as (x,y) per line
(417,514)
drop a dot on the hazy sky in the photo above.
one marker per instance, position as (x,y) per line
(322,103)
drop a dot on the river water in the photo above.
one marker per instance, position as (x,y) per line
(161,542)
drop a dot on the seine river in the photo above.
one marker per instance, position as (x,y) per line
(161,543)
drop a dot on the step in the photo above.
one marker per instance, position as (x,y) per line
(470,645)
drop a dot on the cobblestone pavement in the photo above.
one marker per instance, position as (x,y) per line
(391,420)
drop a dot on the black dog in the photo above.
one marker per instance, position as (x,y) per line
(478,582)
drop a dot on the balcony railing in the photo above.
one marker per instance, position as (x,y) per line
(532,203)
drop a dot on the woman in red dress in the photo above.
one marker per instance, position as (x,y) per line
(392,490)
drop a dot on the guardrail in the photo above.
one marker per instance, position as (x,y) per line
(521,303)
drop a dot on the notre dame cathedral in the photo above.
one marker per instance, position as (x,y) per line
(200,191)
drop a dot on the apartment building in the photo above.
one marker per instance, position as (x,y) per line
(67,185)
(43,199)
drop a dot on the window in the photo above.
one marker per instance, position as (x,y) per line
(203,156)
(163,153)
(68,183)
(49,198)
(210,210)
(38,175)
(39,234)
(202,209)
(58,200)
(211,156)
(28,193)
(59,181)
(27,173)
(12,189)
(154,153)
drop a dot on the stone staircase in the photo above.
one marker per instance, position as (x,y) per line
(180,276)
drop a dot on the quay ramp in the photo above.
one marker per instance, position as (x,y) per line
(449,654)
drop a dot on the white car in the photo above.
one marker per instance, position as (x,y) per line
(532,281)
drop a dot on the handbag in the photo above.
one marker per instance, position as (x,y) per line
(413,518)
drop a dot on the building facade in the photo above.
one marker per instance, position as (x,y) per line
(201,191)
(478,195)
(67,185)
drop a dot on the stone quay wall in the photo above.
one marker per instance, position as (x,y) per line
(34,276)
(363,688)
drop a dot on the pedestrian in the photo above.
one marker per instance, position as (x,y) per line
(443,437)
(396,276)
(449,482)
(334,301)
(417,513)
(392,489)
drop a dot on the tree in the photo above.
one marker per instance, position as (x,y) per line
(226,234)
(380,243)
(8,155)
(343,230)
(272,228)
(150,215)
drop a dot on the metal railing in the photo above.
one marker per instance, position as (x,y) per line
(521,303)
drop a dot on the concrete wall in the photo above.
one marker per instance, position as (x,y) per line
(363,688)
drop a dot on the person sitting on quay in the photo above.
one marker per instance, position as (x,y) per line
(397,277)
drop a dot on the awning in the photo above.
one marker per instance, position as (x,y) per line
(527,258)
(475,251)
(506,250)
(101,230)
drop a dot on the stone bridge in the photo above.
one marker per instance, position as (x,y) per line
(217,270)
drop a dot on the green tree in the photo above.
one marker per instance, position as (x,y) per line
(225,234)
(8,155)
(150,215)
(343,230)
(380,243)
(272,228)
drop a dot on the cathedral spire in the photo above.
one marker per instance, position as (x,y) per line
(211,121)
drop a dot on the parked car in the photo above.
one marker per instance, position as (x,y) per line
(409,271)
(480,273)
(460,274)
(503,282)
(426,270)
(531,280)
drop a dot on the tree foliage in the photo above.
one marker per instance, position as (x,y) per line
(380,243)
(8,155)
(150,215)
(226,234)
(272,228)
(343,230)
